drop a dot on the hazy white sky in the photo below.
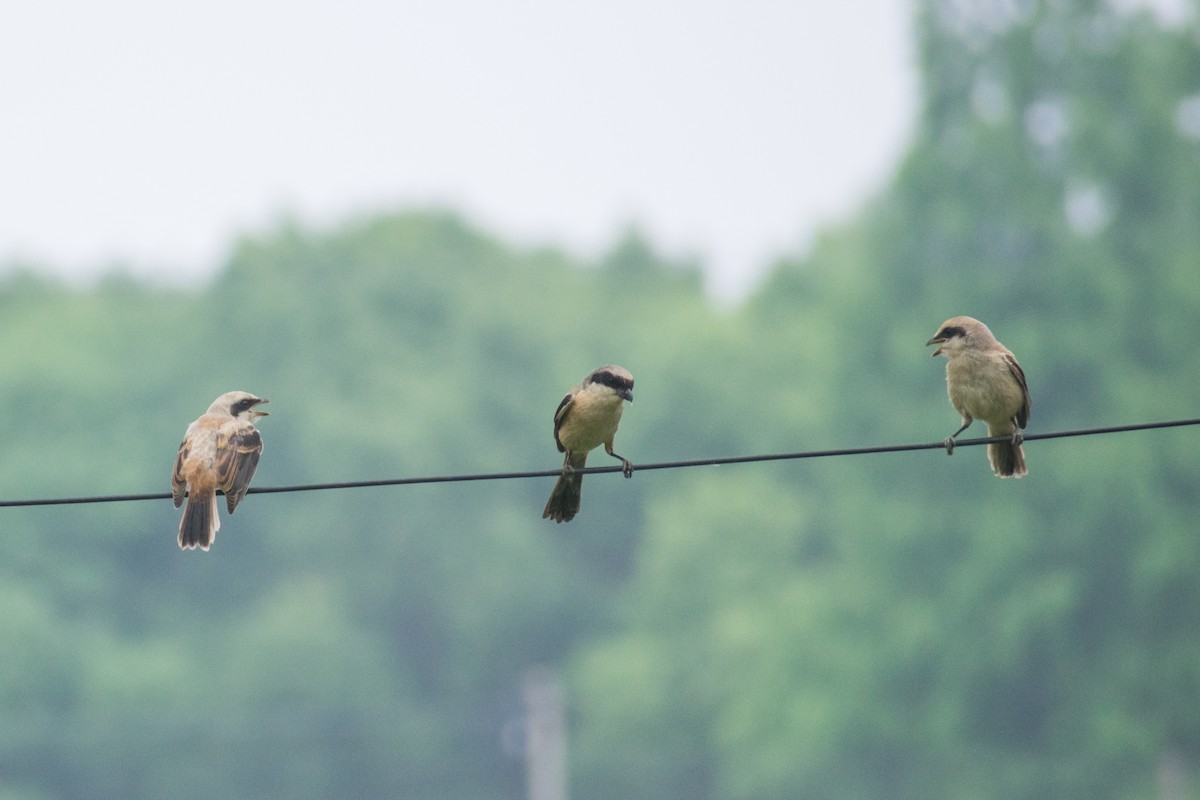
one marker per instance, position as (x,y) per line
(153,133)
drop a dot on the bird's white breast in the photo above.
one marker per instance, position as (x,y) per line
(983,388)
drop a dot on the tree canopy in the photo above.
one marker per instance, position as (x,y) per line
(900,625)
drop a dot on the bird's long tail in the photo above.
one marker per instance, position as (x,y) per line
(564,501)
(200,522)
(1007,459)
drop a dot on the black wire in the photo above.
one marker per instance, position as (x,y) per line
(554,473)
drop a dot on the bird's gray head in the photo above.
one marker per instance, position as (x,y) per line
(612,377)
(238,404)
(957,333)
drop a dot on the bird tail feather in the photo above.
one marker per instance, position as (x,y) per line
(564,501)
(200,522)
(1007,459)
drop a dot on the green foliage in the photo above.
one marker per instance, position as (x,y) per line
(902,626)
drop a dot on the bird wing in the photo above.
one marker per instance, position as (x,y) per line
(560,414)
(238,449)
(1019,375)
(178,482)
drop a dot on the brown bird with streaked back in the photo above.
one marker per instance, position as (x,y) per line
(587,418)
(220,450)
(985,382)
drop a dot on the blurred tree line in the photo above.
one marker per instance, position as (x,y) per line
(902,626)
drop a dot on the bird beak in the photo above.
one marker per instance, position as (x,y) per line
(627,394)
(259,413)
(936,340)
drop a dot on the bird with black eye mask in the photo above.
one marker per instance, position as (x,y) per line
(985,382)
(586,418)
(220,450)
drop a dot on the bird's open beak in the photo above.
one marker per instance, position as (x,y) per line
(260,413)
(936,340)
(627,394)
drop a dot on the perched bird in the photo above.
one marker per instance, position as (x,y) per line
(985,382)
(586,418)
(220,450)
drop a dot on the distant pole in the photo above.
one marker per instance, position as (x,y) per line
(545,735)
(1172,777)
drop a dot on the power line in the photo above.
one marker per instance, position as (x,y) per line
(554,473)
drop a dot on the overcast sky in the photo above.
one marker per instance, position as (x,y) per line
(154,133)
